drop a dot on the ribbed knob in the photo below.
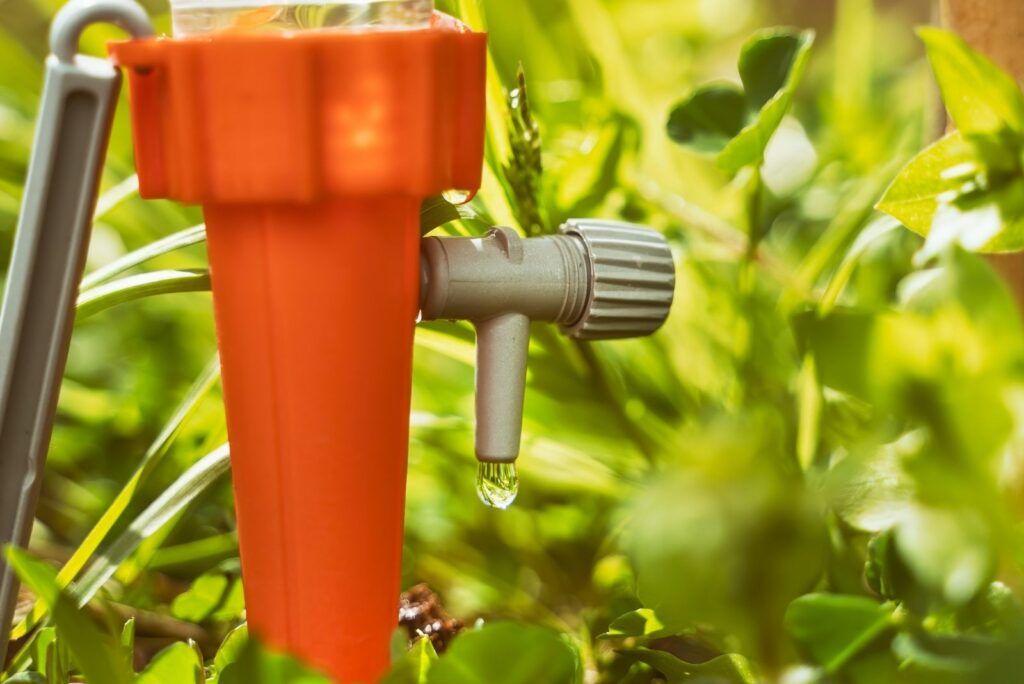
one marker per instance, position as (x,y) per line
(632,276)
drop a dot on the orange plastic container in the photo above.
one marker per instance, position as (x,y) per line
(311,154)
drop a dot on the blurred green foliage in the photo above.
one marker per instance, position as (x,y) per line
(813,473)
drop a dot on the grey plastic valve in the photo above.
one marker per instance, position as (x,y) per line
(598,279)
(49,254)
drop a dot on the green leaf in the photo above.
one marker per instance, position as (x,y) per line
(176,664)
(131,288)
(785,56)
(638,623)
(414,666)
(948,194)
(833,629)
(507,653)
(93,650)
(920,188)
(709,118)
(737,124)
(259,665)
(871,491)
(231,648)
(960,655)
(437,211)
(201,599)
(128,644)
(980,97)
(180,240)
(732,668)
(767,61)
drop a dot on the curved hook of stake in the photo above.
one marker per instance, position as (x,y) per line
(74,17)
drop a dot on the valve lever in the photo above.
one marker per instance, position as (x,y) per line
(79,98)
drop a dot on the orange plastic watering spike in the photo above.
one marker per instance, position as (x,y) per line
(311,154)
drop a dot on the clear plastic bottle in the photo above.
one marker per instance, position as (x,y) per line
(196,17)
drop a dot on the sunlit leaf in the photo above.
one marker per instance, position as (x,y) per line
(176,664)
(981,97)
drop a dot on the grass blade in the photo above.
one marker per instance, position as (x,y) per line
(140,286)
(181,239)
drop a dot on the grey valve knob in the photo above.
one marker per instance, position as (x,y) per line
(599,280)
(632,280)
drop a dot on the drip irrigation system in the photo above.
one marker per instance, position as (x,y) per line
(310,135)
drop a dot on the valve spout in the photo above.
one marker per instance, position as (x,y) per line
(502,346)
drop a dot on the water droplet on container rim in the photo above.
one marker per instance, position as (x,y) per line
(458,197)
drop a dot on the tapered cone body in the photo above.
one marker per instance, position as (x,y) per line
(311,156)
(315,324)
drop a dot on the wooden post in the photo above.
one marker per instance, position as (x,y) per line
(995,28)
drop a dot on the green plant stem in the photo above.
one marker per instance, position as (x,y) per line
(644,443)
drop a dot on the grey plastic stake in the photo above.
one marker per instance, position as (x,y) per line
(52,238)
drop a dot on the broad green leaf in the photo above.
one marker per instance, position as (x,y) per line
(93,650)
(131,288)
(709,118)
(980,97)
(833,629)
(201,599)
(785,56)
(767,62)
(507,653)
(27,678)
(927,181)
(259,665)
(638,623)
(871,491)
(414,666)
(176,664)
(944,194)
(737,124)
(726,669)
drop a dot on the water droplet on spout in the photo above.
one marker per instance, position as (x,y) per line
(497,484)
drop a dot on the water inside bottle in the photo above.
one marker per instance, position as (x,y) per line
(195,17)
